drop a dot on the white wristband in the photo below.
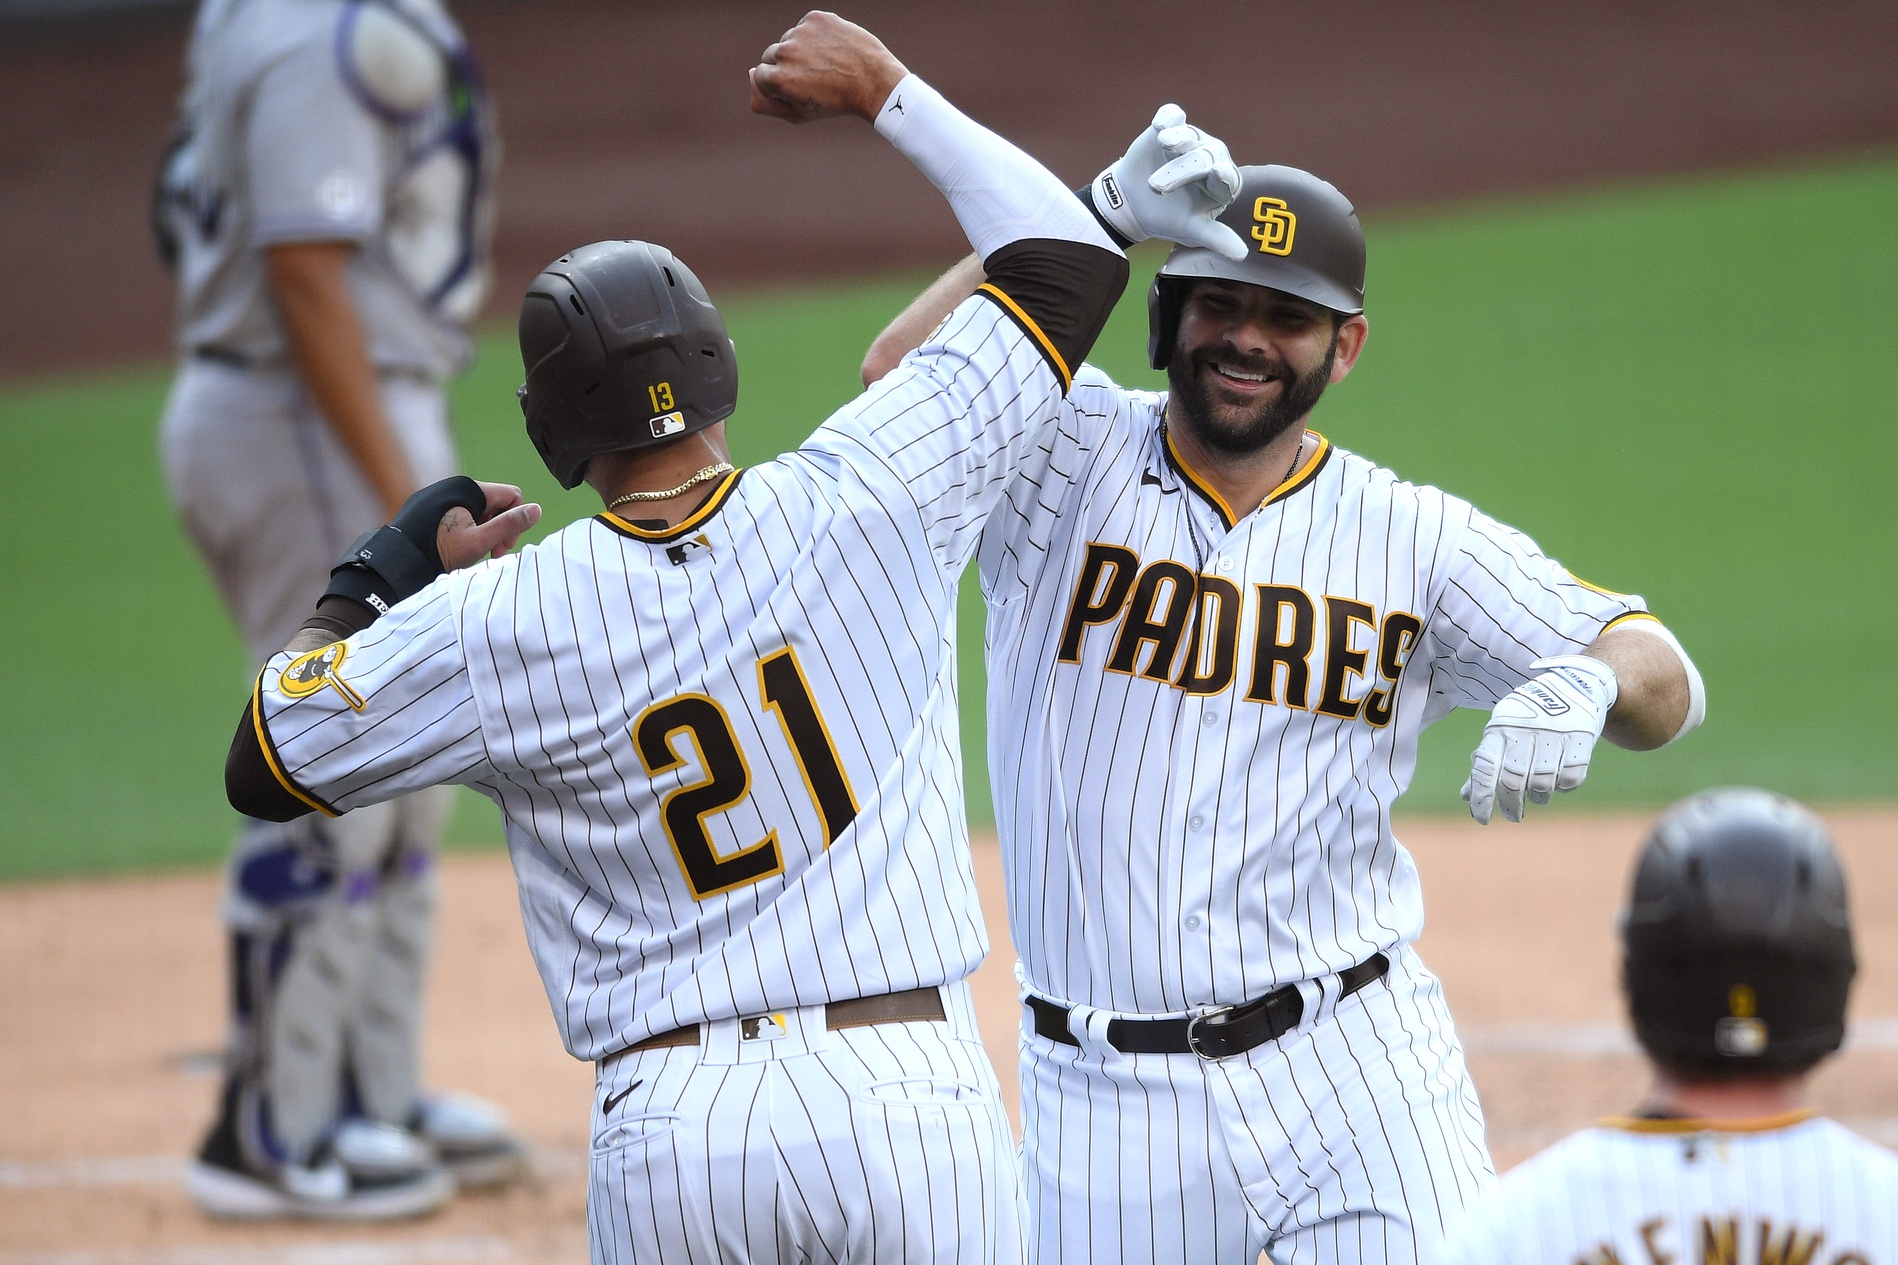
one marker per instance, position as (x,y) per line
(998,193)
(1696,688)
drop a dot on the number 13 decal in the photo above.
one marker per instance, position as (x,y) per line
(727,776)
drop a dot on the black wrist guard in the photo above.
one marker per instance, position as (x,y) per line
(402,558)
(1086,194)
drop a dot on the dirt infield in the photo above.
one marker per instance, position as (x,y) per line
(111,1010)
(630,120)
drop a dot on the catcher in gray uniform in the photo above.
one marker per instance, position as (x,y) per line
(327,209)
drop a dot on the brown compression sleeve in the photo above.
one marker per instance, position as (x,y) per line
(1060,292)
(249,782)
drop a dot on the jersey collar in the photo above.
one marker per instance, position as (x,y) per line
(713,502)
(1693,1124)
(1300,478)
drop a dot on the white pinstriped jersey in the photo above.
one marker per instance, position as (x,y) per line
(1194,776)
(727,753)
(1790,1191)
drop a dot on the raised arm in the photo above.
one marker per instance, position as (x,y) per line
(1063,271)
(1171,183)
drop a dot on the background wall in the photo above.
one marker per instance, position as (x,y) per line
(630,119)
(1631,285)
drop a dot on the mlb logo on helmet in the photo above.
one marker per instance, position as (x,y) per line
(667,424)
(1742,1033)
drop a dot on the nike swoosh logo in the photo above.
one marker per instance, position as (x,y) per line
(1149,479)
(614,1100)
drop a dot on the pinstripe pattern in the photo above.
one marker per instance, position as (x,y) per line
(1142,823)
(1355,1137)
(1172,845)
(1810,1192)
(884,1143)
(533,678)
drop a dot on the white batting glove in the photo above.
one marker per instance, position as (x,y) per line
(1540,736)
(1172,183)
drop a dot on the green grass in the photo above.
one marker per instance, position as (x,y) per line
(1688,391)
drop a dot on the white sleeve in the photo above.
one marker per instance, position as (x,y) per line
(1501,605)
(387,712)
(950,424)
(999,193)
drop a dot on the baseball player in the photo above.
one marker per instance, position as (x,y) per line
(719,718)
(1737,956)
(1214,637)
(327,208)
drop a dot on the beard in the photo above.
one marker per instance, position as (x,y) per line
(1239,430)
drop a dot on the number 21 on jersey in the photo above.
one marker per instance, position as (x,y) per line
(726,779)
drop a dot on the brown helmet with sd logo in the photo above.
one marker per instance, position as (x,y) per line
(1306,241)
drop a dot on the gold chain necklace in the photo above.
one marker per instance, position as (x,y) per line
(709,472)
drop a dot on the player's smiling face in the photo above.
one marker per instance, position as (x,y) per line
(1248,362)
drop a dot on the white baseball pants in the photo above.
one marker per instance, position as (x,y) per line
(784,1142)
(1356,1137)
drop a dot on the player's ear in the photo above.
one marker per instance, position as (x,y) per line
(1351,336)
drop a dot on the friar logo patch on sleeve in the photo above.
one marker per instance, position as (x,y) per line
(321,667)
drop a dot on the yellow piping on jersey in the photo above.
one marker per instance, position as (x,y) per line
(1028,323)
(1618,620)
(1294,481)
(1691,1124)
(711,505)
(1303,475)
(1594,587)
(270,752)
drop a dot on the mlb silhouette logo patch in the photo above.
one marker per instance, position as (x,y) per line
(686,550)
(762,1028)
(667,424)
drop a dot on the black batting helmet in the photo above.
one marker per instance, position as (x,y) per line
(623,350)
(1737,945)
(1306,240)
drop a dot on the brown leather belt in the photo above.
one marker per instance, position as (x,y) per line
(912,1005)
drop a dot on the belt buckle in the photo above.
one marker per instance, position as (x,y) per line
(1217,1015)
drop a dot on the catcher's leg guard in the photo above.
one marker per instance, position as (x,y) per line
(385,1031)
(301,906)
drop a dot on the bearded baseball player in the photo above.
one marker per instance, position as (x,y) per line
(1737,957)
(1214,637)
(327,207)
(719,718)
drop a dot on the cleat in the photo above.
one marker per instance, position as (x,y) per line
(471,1137)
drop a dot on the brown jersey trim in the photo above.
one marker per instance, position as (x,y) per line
(712,504)
(1294,482)
(1302,476)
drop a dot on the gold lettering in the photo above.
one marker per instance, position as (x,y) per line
(1719,1241)
(1793,1248)
(1656,1253)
